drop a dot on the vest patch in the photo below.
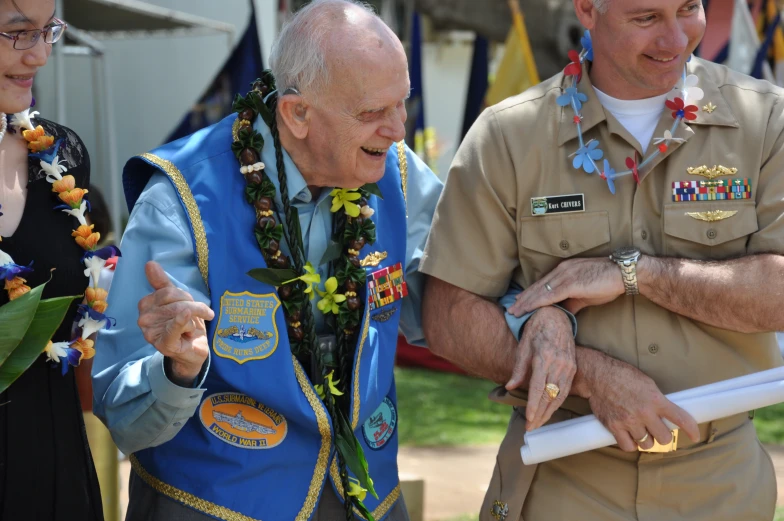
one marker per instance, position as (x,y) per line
(246,328)
(381,425)
(386,286)
(241,421)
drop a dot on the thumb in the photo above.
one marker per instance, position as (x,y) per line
(156,276)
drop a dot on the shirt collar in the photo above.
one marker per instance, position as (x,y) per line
(296,184)
(593,113)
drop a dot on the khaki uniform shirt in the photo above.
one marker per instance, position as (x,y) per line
(484,235)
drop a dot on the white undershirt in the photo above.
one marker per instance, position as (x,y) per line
(639,116)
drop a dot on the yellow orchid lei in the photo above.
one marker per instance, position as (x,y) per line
(92,312)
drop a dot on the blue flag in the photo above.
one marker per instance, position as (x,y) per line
(240,70)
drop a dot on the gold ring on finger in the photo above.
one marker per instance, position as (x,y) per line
(552,391)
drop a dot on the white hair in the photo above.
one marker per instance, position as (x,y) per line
(297,58)
(601,5)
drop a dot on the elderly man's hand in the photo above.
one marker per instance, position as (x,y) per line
(632,407)
(576,283)
(174,324)
(548,345)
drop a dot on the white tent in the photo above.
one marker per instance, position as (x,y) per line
(90,22)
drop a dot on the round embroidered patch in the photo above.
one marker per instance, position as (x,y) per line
(241,421)
(381,425)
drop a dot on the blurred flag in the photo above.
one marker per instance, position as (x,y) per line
(416,102)
(240,70)
(477,83)
(517,71)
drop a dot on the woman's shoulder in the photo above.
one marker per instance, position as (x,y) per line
(71,152)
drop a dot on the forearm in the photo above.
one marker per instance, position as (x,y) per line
(744,295)
(139,405)
(468,330)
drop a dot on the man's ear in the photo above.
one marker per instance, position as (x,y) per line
(293,110)
(586,13)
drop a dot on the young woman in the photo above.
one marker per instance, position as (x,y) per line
(46,470)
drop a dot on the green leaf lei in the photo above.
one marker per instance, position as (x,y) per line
(293,276)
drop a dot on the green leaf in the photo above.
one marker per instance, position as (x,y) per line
(362,508)
(15,319)
(333,251)
(372,189)
(48,317)
(273,276)
(349,447)
(264,235)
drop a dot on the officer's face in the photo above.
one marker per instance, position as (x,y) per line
(363,113)
(18,67)
(641,46)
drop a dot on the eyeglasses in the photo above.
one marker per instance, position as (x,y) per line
(24,40)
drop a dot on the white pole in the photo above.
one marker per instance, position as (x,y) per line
(116,201)
(59,71)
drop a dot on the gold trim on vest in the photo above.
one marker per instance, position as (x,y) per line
(320,472)
(401,157)
(381,510)
(187,499)
(199,234)
(355,412)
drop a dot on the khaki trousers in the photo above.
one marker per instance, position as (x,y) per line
(727,476)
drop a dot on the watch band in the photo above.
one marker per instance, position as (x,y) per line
(629,274)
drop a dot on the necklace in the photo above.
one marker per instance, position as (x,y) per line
(91,313)
(3,125)
(589,153)
(295,278)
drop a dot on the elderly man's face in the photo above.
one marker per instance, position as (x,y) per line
(641,46)
(363,113)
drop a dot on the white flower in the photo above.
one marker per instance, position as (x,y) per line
(23,120)
(55,350)
(667,137)
(53,170)
(79,214)
(90,326)
(690,92)
(94,266)
(5,258)
(366,211)
(243,169)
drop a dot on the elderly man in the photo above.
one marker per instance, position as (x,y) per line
(670,254)
(311,190)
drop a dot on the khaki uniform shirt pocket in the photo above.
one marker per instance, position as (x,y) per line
(548,239)
(715,231)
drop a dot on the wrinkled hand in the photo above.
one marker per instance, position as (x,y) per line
(577,283)
(629,404)
(174,324)
(548,344)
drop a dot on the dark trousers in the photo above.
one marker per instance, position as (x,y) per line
(147,504)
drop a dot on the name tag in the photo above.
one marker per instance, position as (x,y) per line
(558,204)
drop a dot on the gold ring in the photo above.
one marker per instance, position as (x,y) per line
(552,391)
(643,439)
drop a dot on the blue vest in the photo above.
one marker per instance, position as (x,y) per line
(260,445)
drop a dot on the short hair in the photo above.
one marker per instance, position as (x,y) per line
(297,58)
(601,5)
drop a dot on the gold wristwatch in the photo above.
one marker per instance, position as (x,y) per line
(626,258)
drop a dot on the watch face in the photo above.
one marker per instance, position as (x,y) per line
(626,253)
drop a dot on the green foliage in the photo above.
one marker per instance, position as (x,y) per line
(447,409)
(770,424)
(26,326)
(272,276)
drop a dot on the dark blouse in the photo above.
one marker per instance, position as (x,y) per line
(46,469)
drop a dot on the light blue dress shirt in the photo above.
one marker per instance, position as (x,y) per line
(132,394)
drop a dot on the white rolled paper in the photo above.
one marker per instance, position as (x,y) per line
(705,403)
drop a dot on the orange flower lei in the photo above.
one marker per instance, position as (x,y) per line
(94,309)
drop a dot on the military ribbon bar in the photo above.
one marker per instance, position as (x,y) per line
(719,190)
(386,286)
